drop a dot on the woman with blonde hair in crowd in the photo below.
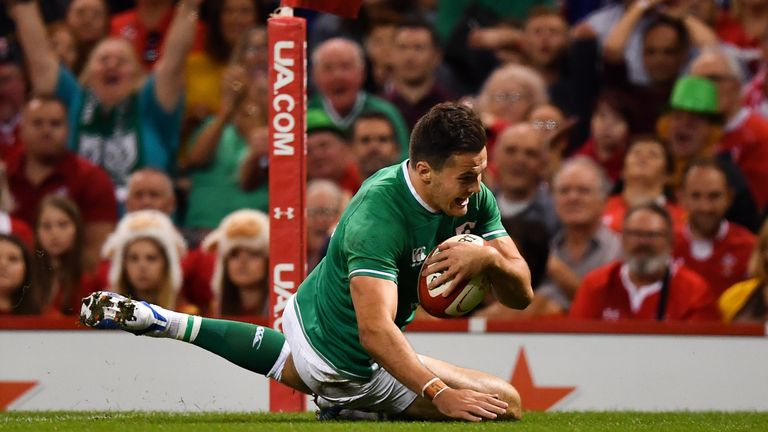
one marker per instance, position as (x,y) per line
(57,265)
(145,252)
(241,246)
(16,294)
(119,119)
(747,301)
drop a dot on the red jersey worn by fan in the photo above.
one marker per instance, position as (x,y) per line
(608,294)
(615,209)
(746,138)
(722,262)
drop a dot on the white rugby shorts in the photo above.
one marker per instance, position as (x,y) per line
(382,393)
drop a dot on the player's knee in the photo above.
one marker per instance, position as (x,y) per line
(509,394)
(515,408)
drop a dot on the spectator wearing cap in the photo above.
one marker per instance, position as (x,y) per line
(693,127)
(328,152)
(745,133)
(338,72)
(241,248)
(145,251)
(118,119)
(13,96)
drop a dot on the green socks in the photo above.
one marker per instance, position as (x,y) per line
(252,347)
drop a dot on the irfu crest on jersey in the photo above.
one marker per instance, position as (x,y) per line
(418,255)
(465,228)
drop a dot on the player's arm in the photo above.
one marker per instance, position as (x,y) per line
(375,302)
(509,273)
(499,258)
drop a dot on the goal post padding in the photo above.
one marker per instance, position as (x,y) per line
(287,178)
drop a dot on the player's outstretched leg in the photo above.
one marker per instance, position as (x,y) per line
(256,348)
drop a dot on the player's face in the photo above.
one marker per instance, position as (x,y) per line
(56,231)
(451,187)
(145,265)
(246,267)
(11,267)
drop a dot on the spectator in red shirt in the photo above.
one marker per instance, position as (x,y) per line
(145,252)
(13,95)
(146,27)
(8,223)
(47,167)
(152,189)
(57,265)
(610,127)
(645,285)
(745,134)
(714,248)
(647,167)
(241,245)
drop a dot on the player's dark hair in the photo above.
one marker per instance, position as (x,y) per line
(447,129)
(653,208)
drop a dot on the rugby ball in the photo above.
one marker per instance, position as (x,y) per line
(463,298)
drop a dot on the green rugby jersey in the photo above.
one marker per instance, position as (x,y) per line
(386,232)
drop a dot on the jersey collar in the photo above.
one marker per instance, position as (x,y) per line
(413,189)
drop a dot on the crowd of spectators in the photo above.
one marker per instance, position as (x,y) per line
(627,144)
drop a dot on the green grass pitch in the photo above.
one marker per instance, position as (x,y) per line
(582,421)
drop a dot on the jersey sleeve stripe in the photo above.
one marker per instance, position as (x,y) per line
(494,234)
(375,273)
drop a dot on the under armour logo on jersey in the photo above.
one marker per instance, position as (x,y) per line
(279,212)
(465,228)
(418,255)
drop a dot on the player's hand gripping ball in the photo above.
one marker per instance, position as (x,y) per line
(463,298)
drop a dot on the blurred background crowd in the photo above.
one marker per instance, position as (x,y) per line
(627,143)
